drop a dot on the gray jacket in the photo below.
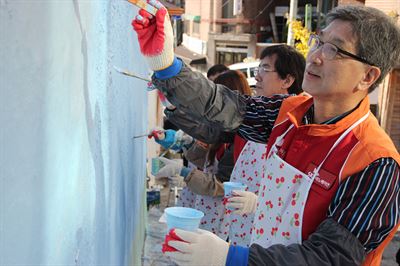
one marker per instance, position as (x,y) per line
(203,100)
(195,126)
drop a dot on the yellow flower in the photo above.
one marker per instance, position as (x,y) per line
(301,36)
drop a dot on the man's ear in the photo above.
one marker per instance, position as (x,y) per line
(287,82)
(370,76)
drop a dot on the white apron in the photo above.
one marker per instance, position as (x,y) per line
(187,198)
(213,209)
(282,197)
(249,169)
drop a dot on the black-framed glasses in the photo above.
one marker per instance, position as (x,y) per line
(261,69)
(329,50)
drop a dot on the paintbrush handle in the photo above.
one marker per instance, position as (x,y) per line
(130,74)
(140,136)
(144,5)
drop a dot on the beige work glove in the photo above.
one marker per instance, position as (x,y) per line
(243,202)
(171,168)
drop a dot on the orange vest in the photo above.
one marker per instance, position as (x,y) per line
(305,145)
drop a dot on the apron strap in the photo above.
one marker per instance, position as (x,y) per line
(279,139)
(344,134)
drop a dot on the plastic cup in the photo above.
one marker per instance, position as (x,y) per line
(183,218)
(156,165)
(229,186)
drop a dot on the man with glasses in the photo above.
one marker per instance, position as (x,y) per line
(331,195)
(280,71)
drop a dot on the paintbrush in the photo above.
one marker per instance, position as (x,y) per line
(140,136)
(130,74)
(144,5)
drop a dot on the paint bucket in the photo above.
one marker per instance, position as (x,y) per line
(153,198)
(183,218)
(156,165)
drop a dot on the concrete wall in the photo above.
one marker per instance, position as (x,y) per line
(72,179)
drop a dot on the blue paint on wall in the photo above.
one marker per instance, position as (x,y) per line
(72,178)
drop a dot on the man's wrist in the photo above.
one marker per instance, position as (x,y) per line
(238,256)
(185,171)
(170,71)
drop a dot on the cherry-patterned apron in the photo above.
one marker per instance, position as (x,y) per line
(249,169)
(282,197)
(213,209)
(187,198)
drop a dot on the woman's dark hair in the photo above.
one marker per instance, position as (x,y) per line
(216,69)
(234,80)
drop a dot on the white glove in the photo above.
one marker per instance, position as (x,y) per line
(171,168)
(182,139)
(202,248)
(243,201)
(176,181)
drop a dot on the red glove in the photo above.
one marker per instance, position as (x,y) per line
(155,36)
(172,236)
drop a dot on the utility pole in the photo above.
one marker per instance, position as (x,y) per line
(292,17)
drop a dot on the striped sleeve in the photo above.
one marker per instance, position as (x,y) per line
(261,113)
(367,203)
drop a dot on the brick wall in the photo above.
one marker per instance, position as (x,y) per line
(394,114)
(350,2)
(384,5)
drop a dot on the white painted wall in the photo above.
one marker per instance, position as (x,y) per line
(72,178)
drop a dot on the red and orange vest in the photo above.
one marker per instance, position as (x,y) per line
(305,146)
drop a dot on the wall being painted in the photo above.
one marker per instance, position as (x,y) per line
(72,177)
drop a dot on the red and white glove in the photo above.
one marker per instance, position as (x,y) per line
(157,132)
(155,36)
(198,248)
(243,202)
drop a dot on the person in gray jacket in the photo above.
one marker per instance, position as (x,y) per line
(204,155)
(216,168)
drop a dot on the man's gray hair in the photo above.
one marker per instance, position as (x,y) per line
(378,37)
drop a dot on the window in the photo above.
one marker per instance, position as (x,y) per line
(186,26)
(196,27)
(252,72)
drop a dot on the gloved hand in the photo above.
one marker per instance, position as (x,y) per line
(200,248)
(183,140)
(155,36)
(157,133)
(176,181)
(171,168)
(242,202)
(165,138)
(171,139)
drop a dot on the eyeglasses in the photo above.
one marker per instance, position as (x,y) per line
(261,69)
(329,50)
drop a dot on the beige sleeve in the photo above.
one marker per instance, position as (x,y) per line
(197,154)
(204,184)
